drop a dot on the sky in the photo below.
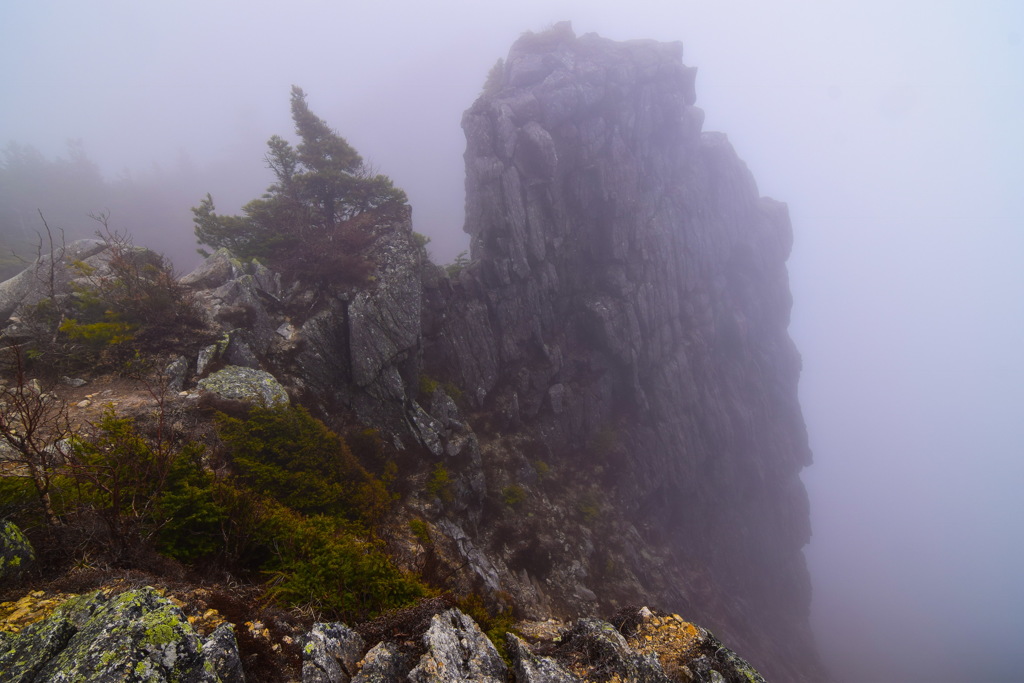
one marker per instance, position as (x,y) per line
(892,130)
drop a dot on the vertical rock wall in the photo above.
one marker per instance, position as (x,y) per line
(628,286)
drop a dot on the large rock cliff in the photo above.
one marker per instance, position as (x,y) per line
(628,302)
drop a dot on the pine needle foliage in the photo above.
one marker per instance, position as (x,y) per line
(291,456)
(316,217)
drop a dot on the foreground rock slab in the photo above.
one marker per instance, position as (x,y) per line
(136,635)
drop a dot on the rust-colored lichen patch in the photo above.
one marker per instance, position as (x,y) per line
(27,610)
(672,639)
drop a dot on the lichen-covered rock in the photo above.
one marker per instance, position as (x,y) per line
(330,653)
(595,647)
(529,668)
(246,384)
(457,650)
(384,663)
(176,373)
(16,553)
(686,651)
(214,271)
(221,650)
(132,636)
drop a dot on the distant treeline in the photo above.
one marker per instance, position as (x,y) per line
(153,206)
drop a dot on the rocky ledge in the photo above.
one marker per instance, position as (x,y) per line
(141,634)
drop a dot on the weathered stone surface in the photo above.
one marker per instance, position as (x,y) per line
(599,648)
(176,372)
(529,668)
(362,349)
(686,651)
(221,650)
(214,271)
(384,663)
(330,653)
(457,650)
(132,636)
(246,384)
(16,553)
(627,298)
(48,276)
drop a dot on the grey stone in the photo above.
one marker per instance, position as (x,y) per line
(177,371)
(214,271)
(136,635)
(330,653)
(606,647)
(207,355)
(246,384)
(457,650)
(33,284)
(384,663)
(221,650)
(529,668)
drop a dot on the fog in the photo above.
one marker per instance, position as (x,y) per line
(892,129)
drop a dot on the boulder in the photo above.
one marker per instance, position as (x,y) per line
(384,663)
(221,650)
(214,271)
(35,283)
(529,668)
(457,650)
(246,384)
(330,654)
(136,635)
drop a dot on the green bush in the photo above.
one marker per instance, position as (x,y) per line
(294,458)
(120,473)
(439,484)
(193,515)
(513,495)
(320,562)
(589,506)
(420,530)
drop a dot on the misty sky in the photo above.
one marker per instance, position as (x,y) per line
(893,129)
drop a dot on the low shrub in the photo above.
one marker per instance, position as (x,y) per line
(513,495)
(294,458)
(439,484)
(321,562)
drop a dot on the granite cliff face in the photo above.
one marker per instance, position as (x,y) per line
(628,301)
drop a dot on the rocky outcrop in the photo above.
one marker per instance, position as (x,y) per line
(331,653)
(255,387)
(136,635)
(457,650)
(139,635)
(51,274)
(628,303)
(342,348)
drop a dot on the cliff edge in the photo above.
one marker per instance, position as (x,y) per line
(628,300)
